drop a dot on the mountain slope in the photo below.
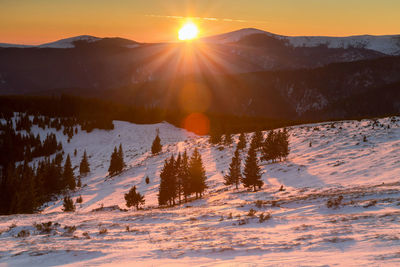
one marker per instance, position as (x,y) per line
(362,230)
(386,44)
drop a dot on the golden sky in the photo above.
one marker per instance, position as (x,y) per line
(40,21)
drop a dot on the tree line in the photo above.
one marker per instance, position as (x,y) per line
(25,188)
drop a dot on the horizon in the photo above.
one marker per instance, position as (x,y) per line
(44,21)
(172,41)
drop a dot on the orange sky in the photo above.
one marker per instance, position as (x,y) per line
(40,21)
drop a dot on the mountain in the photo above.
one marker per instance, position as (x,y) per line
(386,44)
(262,74)
(72,42)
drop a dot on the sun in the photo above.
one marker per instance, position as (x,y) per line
(189,31)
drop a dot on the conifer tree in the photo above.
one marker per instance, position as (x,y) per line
(68,204)
(197,174)
(162,192)
(168,189)
(84,168)
(113,169)
(258,139)
(177,168)
(156,147)
(185,176)
(134,198)
(235,175)
(215,135)
(68,174)
(269,148)
(228,139)
(120,162)
(252,172)
(242,141)
(283,144)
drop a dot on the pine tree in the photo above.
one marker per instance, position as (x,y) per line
(235,175)
(120,161)
(252,172)
(84,168)
(185,176)
(68,204)
(269,148)
(156,147)
(242,141)
(177,168)
(258,139)
(68,174)
(134,198)
(197,174)
(228,139)
(113,169)
(165,193)
(215,135)
(172,186)
(283,144)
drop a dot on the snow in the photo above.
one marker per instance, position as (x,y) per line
(215,230)
(387,44)
(69,42)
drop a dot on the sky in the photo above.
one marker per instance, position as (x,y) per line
(41,21)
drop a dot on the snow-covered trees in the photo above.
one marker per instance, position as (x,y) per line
(84,167)
(156,147)
(134,199)
(117,163)
(181,177)
(235,175)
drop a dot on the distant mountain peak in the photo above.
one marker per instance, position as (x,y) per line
(69,42)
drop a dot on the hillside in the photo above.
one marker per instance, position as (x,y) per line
(219,229)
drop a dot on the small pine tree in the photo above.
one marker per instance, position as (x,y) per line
(197,174)
(114,162)
(134,199)
(84,167)
(147,180)
(156,147)
(235,175)
(68,174)
(242,142)
(120,159)
(68,204)
(252,172)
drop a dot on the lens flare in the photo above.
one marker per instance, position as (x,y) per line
(197,123)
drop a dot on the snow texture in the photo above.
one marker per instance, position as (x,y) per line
(327,160)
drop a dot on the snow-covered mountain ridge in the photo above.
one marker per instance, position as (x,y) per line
(327,160)
(387,44)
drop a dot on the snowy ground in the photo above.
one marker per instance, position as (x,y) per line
(217,230)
